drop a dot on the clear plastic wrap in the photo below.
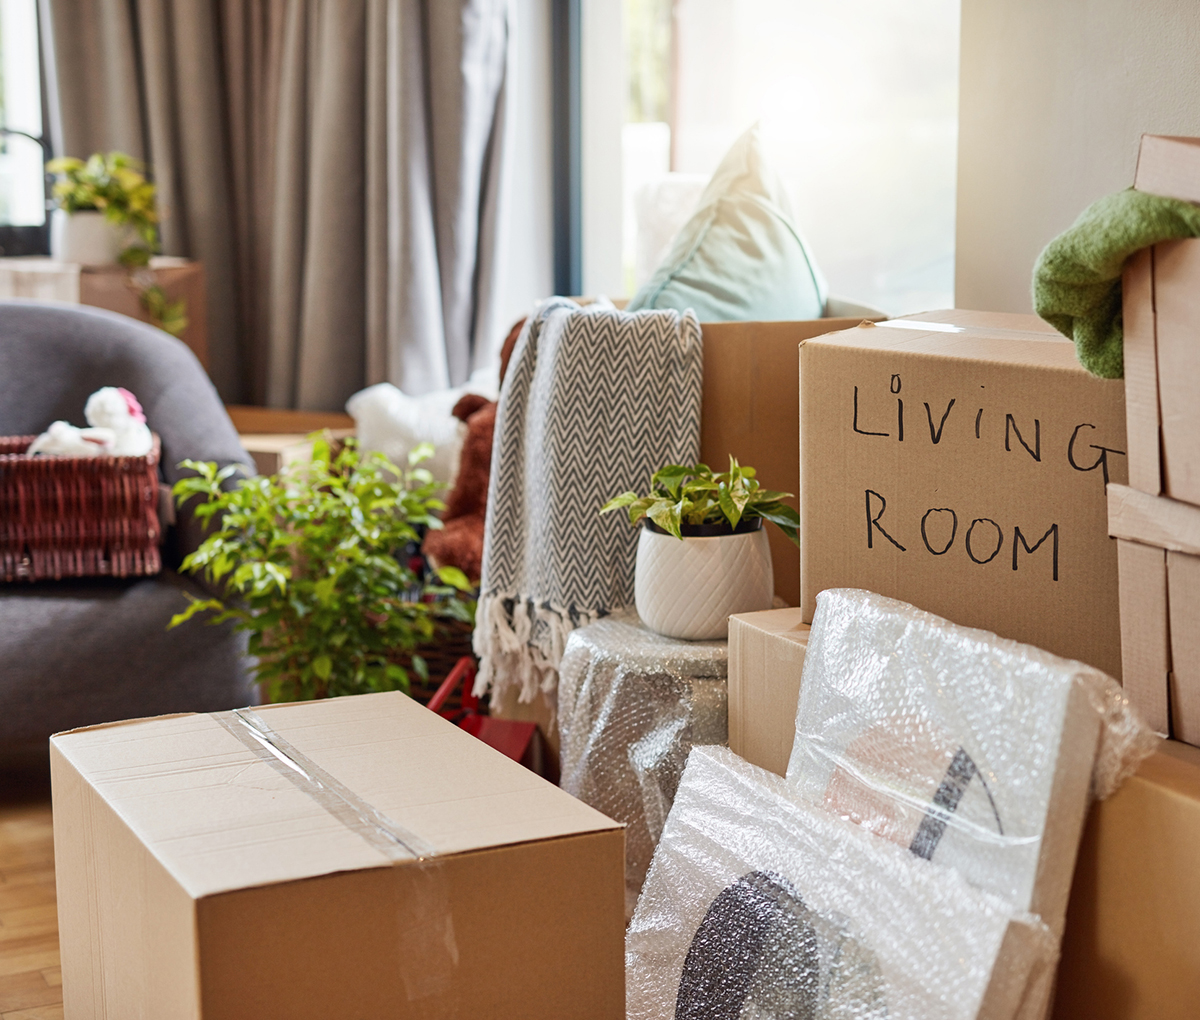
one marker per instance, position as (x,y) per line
(759,906)
(967,749)
(631,703)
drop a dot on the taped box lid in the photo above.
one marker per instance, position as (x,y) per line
(266,795)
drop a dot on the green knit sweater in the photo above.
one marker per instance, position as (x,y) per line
(1077,279)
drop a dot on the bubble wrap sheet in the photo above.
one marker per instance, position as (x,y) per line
(964,748)
(631,703)
(759,906)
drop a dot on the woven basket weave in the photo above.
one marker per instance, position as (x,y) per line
(77,516)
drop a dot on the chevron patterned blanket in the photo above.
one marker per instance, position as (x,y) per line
(594,402)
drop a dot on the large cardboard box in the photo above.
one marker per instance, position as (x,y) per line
(1159,556)
(749,409)
(957,461)
(1161,311)
(766,659)
(1131,950)
(359,857)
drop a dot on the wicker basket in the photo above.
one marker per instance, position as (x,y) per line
(77,516)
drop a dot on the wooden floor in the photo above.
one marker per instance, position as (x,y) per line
(30,979)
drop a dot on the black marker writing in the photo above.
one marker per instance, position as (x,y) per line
(873,522)
(1019,540)
(937,436)
(1101,460)
(863,432)
(1010,426)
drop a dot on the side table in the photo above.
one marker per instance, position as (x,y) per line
(109,287)
(631,705)
(275,437)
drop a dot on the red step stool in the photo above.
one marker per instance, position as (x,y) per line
(519,741)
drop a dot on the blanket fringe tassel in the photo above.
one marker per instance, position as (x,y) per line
(521,643)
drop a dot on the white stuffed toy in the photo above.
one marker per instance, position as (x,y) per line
(63,439)
(118,429)
(114,407)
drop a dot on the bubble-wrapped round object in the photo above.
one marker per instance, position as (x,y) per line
(631,704)
(965,748)
(759,905)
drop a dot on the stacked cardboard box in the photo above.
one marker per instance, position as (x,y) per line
(957,461)
(1131,950)
(1156,519)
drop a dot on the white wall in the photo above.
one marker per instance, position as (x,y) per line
(1054,97)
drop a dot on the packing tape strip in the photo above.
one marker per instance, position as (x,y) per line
(388,837)
(425,924)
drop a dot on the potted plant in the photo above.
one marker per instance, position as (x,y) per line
(107,213)
(312,564)
(703,554)
(105,205)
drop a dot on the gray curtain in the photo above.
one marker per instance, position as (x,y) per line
(334,163)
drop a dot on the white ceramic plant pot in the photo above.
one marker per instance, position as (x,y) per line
(86,237)
(688,588)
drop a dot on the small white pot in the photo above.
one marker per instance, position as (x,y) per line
(86,237)
(688,588)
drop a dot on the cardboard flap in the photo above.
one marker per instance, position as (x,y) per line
(220,817)
(1006,339)
(1153,520)
(1169,166)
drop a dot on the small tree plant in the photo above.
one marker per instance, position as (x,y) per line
(691,494)
(313,568)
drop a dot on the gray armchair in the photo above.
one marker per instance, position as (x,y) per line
(82,651)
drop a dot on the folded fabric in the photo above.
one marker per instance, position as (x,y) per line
(1077,279)
(740,256)
(961,747)
(594,401)
(758,905)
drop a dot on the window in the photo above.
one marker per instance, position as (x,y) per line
(858,103)
(23,221)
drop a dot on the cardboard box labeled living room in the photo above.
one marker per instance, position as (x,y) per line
(958,461)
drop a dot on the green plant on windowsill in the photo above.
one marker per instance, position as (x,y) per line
(682,495)
(114,184)
(312,565)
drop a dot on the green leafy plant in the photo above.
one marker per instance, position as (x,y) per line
(111,183)
(692,494)
(114,183)
(312,565)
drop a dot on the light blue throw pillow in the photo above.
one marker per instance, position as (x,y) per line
(740,256)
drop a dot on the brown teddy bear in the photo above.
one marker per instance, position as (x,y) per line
(459,543)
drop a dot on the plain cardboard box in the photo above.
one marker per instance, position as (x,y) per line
(1131,950)
(957,461)
(210,868)
(1161,310)
(749,409)
(766,659)
(1159,557)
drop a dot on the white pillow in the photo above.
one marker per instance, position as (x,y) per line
(388,420)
